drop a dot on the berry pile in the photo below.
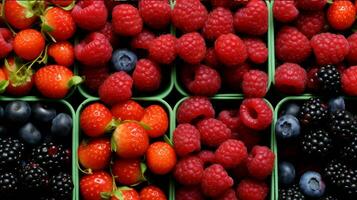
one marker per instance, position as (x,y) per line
(35,151)
(131,132)
(315,47)
(222,158)
(317,150)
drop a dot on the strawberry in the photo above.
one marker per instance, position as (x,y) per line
(94,186)
(160,158)
(130,140)
(5,42)
(156,118)
(54,81)
(20,77)
(58,23)
(3,81)
(19,14)
(341,14)
(62,53)
(95,120)
(128,110)
(128,171)
(125,193)
(94,154)
(63,3)
(29,44)
(152,193)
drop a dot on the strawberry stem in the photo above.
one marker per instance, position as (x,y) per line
(3,86)
(75,80)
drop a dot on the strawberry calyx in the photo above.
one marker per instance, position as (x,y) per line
(142,124)
(3,85)
(69,7)
(143,169)
(20,75)
(74,81)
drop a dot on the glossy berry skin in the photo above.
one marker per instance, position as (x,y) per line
(255,83)
(62,53)
(311,184)
(163,49)
(215,181)
(155,14)
(62,125)
(152,192)
(6,39)
(28,44)
(90,15)
(219,22)
(94,154)
(30,134)
(62,2)
(128,171)
(17,112)
(341,14)
(189,171)
(231,153)
(95,119)
(249,189)
(128,110)
(336,104)
(156,118)
(124,60)
(160,158)
(290,78)
(213,132)
(91,186)
(287,127)
(260,162)
(186,139)
(286,173)
(194,108)
(59,23)
(191,47)
(262,117)
(15,15)
(230,49)
(126,20)
(42,112)
(125,194)
(147,76)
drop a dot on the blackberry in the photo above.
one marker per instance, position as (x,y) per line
(329,197)
(312,111)
(62,186)
(343,124)
(316,142)
(34,178)
(50,156)
(292,193)
(330,79)
(349,152)
(8,184)
(11,151)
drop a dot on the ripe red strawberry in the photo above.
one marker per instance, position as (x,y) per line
(155,14)
(125,193)
(90,14)
(94,154)
(58,23)
(62,53)
(128,110)
(126,20)
(93,185)
(95,120)
(20,79)
(160,158)
(19,14)
(3,81)
(28,44)
(341,14)
(5,42)
(93,78)
(128,171)
(156,118)
(152,192)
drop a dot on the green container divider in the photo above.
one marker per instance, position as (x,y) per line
(71,112)
(142,101)
(271,43)
(270,36)
(228,100)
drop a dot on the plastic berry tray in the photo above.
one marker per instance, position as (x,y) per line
(225,102)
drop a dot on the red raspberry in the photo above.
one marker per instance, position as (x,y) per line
(329,48)
(116,88)
(211,58)
(207,157)
(162,49)
(126,20)
(213,132)
(94,51)
(206,81)
(219,22)
(234,77)
(257,50)
(221,3)
(189,171)
(285,10)
(156,14)
(260,162)
(186,139)
(5,42)
(255,113)
(290,78)
(255,83)
(248,136)
(349,81)
(128,110)
(312,80)
(229,195)
(311,5)
(215,181)
(191,47)
(194,108)
(108,31)
(142,40)
(146,76)
(352,55)
(252,19)
(189,16)
(231,153)
(230,118)
(230,49)
(189,193)
(95,77)
(311,23)
(291,45)
(90,15)
(249,189)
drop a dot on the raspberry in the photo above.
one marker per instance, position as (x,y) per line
(255,113)
(329,48)
(95,77)
(221,3)
(230,49)
(189,16)
(291,45)
(116,88)
(257,50)
(311,24)
(189,171)
(231,153)
(285,10)
(207,157)
(211,58)
(126,20)
(213,132)
(147,75)
(95,50)
(155,14)
(352,55)
(255,83)
(309,5)
(186,139)
(312,80)
(219,22)
(142,40)
(215,181)
(162,49)
(206,81)
(234,77)
(349,81)
(229,195)
(248,136)
(252,19)
(249,189)
(128,110)
(189,193)
(90,15)
(108,31)
(5,42)
(191,47)
(230,118)
(290,78)
(260,162)
(194,108)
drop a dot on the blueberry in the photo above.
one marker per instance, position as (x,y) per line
(291,109)
(61,125)
(124,60)
(287,126)
(18,111)
(30,134)
(43,113)
(336,104)
(286,173)
(311,184)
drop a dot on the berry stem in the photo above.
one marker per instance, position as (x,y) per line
(3,86)
(75,80)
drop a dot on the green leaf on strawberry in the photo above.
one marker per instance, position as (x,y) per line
(3,85)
